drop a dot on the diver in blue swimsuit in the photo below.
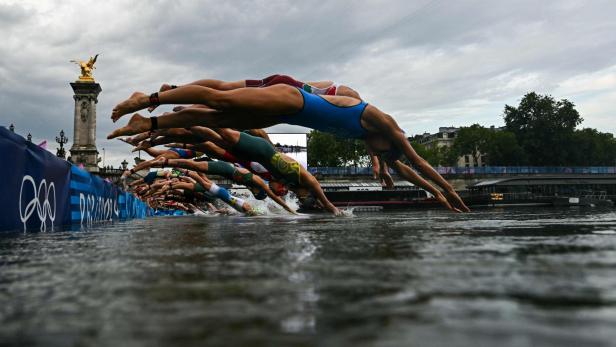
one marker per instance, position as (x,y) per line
(320,114)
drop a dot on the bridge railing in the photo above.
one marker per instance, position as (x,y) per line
(480,170)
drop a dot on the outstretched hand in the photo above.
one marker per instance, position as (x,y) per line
(441,199)
(457,201)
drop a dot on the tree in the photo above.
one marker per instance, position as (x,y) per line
(473,140)
(436,156)
(327,150)
(321,149)
(543,127)
(352,152)
(503,150)
(592,148)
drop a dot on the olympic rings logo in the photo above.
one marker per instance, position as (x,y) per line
(43,209)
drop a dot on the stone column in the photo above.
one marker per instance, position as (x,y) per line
(84,149)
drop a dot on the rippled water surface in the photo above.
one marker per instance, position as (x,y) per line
(494,277)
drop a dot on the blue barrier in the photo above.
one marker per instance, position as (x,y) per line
(34,186)
(480,170)
(43,192)
(95,200)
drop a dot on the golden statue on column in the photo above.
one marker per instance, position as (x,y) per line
(86,68)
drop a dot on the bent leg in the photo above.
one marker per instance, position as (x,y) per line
(216,84)
(197,117)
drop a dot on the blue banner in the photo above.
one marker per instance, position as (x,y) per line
(42,192)
(34,185)
(96,200)
(92,199)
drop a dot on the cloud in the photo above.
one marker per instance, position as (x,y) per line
(429,63)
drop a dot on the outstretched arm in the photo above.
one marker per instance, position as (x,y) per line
(376,165)
(259,182)
(384,175)
(136,182)
(200,178)
(184,163)
(314,186)
(134,140)
(389,126)
(165,139)
(411,176)
(426,169)
(146,164)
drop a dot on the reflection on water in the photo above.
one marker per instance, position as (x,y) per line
(507,277)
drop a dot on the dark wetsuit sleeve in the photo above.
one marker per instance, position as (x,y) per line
(150,177)
(259,150)
(254,148)
(199,188)
(220,168)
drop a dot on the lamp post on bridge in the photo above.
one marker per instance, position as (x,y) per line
(124,165)
(29,137)
(12,128)
(61,153)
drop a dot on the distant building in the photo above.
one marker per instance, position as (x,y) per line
(445,138)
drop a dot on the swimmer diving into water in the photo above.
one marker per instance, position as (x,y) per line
(254,108)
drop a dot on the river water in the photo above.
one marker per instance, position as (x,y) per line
(493,277)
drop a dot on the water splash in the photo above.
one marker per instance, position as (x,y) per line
(347,212)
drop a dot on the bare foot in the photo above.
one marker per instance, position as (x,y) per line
(136,102)
(143,145)
(137,124)
(165,87)
(128,140)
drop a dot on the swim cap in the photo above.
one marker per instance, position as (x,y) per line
(261,194)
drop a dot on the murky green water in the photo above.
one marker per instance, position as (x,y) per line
(495,277)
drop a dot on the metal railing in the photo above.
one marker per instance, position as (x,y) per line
(480,170)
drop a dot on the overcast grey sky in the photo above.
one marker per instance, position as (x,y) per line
(429,63)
